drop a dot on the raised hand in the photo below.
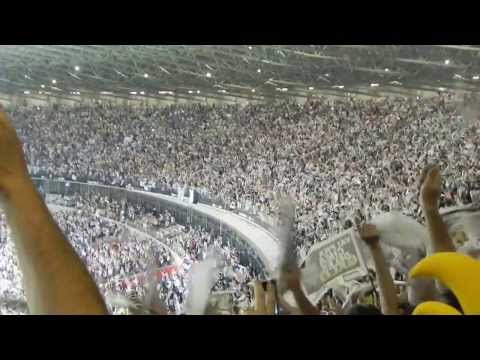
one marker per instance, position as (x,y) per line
(369,234)
(265,300)
(430,187)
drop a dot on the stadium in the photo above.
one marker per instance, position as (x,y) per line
(252,179)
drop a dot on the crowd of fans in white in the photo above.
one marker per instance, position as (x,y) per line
(112,240)
(342,161)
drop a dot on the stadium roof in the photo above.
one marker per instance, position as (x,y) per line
(249,71)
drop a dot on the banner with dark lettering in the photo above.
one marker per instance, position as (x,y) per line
(338,258)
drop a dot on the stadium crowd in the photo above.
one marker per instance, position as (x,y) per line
(342,161)
(105,234)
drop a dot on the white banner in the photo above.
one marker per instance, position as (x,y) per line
(338,258)
(464,219)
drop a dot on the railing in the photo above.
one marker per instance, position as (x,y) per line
(262,221)
(184,214)
(204,197)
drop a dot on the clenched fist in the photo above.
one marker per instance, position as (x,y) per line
(369,234)
(13,168)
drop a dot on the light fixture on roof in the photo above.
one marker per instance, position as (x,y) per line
(475,77)
(250,48)
(190,91)
(222,91)
(311,88)
(40,92)
(77,68)
(198,91)
(145,75)
(447,62)
(54,81)
(374,85)
(104,93)
(26,92)
(284,89)
(209,75)
(166,92)
(42,86)
(395,82)
(142,92)
(458,77)
(441,89)
(253,90)
(338,86)
(387,69)
(133,93)
(259,71)
(327,75)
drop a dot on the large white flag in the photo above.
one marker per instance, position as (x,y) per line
(202,278)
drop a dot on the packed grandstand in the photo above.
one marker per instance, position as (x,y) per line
(342,162)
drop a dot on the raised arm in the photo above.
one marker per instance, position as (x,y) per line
(291,281)
(54,278)
(430,188)
(388,294)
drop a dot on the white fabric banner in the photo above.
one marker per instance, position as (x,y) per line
(327,261)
